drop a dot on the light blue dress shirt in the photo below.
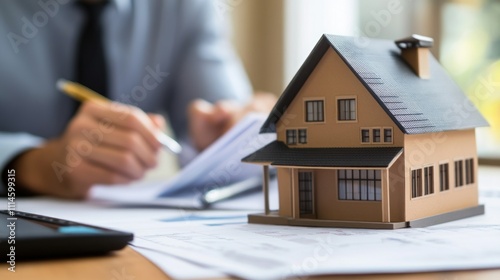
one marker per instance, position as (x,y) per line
(161,54)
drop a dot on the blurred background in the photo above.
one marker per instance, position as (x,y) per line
(273,38)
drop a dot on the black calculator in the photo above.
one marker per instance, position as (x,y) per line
(30,236)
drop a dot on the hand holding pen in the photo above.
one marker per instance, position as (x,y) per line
(84,94)
(104,143)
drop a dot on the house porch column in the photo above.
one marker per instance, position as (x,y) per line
(265,189)
(386,209)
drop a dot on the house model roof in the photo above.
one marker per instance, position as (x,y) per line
(277,153)
(416,105)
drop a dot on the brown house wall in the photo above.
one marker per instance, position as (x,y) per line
(285,192)
(397,190)
(332,79)
(326,203)
(433,149)
(420,151)
(329,207)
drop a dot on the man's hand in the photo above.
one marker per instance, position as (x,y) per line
(103,144)
(209,121)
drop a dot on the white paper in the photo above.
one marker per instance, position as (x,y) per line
(217,166)
(177,268)
(232,246)
(220,164)
(273,252)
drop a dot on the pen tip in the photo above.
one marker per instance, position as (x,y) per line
(60,84)
(169,143)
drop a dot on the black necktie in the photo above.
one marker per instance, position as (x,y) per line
(91,68)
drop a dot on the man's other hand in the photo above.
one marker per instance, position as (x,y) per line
(209,121)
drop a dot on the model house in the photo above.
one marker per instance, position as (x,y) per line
(371,134)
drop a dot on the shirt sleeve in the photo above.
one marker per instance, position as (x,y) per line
(207,66)
(11,145)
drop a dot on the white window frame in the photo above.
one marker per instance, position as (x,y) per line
(337,111)
(369,129)
(312,192)
(447,179)
(380,135)
(312,99)
(372,190)
(425,181)
(469,162)
(294,137)
(383,135)
(419,187)
(298,136)
(461,172)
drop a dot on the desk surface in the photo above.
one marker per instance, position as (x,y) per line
(130,265)
(127,264)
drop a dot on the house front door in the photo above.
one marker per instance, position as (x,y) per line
(306,194)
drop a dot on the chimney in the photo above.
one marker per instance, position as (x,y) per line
(415,51)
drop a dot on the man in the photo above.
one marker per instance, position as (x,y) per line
(166,57)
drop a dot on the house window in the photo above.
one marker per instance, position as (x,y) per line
(469,171)
(388,135)
(459,173)
(303,136)
(355,184)
(416,183)
(365,136)
(376,135)
(346,109)
(291,136)
(306,193)
(429,180)
(444,181)
(315,111)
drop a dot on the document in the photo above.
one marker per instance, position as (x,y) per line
(228,244)
(218,166)
(253,251)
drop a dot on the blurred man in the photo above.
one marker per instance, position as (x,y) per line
(164,57)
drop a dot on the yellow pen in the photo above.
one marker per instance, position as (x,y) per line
(84,94)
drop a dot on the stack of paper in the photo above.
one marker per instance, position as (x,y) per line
(217,166)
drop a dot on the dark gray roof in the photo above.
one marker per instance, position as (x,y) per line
(416,105)
(277,153)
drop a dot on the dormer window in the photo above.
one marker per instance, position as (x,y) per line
(303,136)
(291,136)
(388,135)
(346,109)
(365,136)
(376,135)
(315,111)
